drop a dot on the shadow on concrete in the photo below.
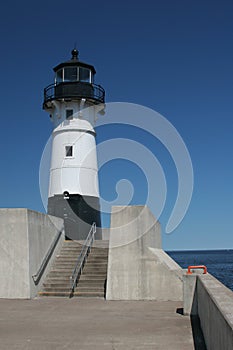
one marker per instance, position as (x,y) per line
(105,288)
(198,338)
(199,341)
(180,310)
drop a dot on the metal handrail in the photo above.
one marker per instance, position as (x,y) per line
(82,258)
(36,278)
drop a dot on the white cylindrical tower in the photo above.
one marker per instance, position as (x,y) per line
(73,102)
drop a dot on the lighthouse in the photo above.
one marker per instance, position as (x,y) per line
(73,102)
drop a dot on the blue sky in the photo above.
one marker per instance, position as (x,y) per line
(172,56)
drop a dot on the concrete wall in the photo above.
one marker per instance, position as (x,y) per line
(215,310)
(190,295)
(25,239)
(105,234)
(137,268)
(208,298)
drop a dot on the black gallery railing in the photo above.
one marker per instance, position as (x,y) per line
(74,89)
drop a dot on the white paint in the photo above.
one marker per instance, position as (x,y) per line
(77,174)
(82,109)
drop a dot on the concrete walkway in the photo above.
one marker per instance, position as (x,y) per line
(83,324)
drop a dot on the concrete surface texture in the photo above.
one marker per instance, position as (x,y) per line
(105,233)
(215,310)
(137,268)
(190,294)
(25,239)
(93,324)
(212,302)
(132,223)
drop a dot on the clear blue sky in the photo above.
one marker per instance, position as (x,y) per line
(175,57)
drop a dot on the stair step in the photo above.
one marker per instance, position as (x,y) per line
(92,280)
(56,280)
(62,270)
(55,285)
(77,247)
(58,289)
(95,269)
(54,294)
(71,254)
(67,258)
(58,267)
(101,249)
(91,286)
(95,272)
(54,274)
(65,264)
(89,290)
(97,261)
(99,252)
(91,272)
(97,265)
(70,251)
(89,294)
(97,258)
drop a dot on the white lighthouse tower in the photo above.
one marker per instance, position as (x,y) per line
(73,102)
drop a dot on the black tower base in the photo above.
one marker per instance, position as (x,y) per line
(79,213)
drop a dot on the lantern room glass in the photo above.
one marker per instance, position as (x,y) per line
(59,76)
(84,75)
(71,74)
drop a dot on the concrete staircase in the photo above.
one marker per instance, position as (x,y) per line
(93,278)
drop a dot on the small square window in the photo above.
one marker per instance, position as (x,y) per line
(69,114)
(69,151)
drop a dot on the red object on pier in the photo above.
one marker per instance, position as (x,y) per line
(197,267)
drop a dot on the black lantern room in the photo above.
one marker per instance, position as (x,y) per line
(74,80)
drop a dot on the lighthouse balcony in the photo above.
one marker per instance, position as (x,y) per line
(73,90)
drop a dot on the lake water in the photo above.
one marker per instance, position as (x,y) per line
(218,262)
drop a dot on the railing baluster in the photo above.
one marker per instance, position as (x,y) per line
(96,91)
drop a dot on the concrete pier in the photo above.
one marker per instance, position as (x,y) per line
(151,302)
(88,324)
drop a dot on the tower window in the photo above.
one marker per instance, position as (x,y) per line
(69,114)
(69,151)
